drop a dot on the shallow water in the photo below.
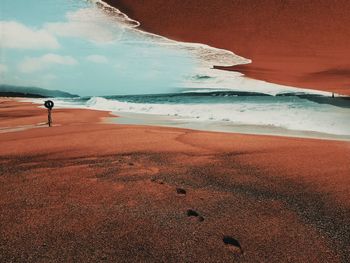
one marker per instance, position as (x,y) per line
(228,111)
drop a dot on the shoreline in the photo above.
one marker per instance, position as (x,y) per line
(158,120)
(127,118)
(312,61)
(84,180)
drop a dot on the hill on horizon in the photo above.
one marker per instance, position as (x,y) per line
(32,92)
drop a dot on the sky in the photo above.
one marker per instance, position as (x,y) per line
(72,45)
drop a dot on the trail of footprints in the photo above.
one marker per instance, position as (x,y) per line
(231,243)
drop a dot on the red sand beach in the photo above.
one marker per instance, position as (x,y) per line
(293,42)
(87,191)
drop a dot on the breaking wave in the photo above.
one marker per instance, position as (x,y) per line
(299,113)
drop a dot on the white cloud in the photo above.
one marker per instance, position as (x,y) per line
(88,23)
(17,35)
(3,69)
(49,77)
(97,59)
(29,65)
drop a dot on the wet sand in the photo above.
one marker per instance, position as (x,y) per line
(87,191)
(217,126)
(294,42)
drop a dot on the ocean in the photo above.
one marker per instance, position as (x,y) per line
(301,115)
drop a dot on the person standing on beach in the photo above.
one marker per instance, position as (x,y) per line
(49,105)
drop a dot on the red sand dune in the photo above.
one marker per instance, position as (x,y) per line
(85,191)
(292,42)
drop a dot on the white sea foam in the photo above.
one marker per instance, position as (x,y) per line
(293,116)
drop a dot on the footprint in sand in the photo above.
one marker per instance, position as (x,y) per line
(181,191)
(194,214)
(233,245)
(155,180)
